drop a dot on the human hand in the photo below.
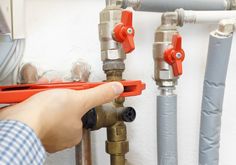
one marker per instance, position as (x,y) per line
(55,115)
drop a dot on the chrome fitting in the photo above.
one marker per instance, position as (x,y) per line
(184,18)
(110,49)
(116,54)
(164,76)
(135,4)
(232,4)
(117,3)
(166,91)
(226,27)
(164,73)
(170,19)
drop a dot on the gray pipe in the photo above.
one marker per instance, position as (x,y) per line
(213,95)
(171,5)
(11,55)
(167,129)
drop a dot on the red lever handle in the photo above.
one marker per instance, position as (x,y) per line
(19,93)
(175,55)
(124,32)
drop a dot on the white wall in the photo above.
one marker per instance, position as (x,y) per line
(61,31)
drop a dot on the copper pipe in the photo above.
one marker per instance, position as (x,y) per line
(81,72)
(83,150)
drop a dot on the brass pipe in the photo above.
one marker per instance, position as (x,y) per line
(118,159)
(117,145)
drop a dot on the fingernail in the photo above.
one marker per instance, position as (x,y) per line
(118,88)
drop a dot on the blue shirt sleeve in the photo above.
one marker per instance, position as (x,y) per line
(19,145)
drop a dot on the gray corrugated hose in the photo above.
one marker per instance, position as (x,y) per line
(167,129)
(213,95)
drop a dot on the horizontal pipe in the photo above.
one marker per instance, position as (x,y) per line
(213,95)
(207,17)
(171,5)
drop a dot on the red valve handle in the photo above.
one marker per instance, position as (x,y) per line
(124,32)
(175,55)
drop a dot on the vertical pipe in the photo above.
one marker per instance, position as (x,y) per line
(83,150)
(117,144)
(167,129)
(81,72)
(212,100)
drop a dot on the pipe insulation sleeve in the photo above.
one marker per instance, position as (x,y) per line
(212,101)
(171,5)
(167,129)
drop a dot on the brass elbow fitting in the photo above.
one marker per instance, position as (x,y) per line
(28,74)
(113,119)
(107,116)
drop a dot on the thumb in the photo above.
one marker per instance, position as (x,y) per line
(100,95)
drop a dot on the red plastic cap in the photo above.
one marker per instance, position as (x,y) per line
(175,55)
(124,32)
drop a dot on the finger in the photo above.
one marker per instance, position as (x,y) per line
(100,95)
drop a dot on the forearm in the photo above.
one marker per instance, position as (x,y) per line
(19,144)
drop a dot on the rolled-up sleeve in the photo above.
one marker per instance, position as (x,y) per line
(19,145)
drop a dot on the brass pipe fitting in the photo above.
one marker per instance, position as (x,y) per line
(113,119)
(107,116)
(28,74)
(117,145)
(114,75)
